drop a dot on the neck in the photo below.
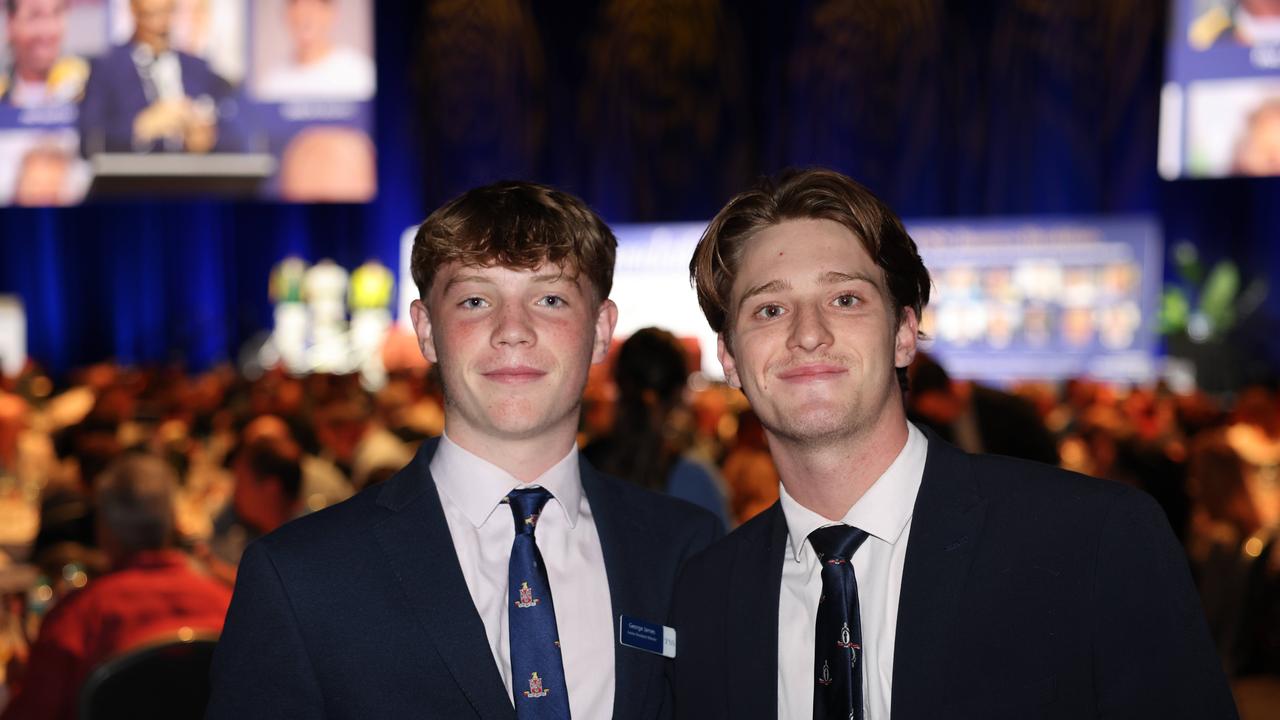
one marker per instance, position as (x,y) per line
(526,459)
(829,478)
(31,74)
(157,45)
(314,52)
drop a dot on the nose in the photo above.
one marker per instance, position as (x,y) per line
(514,326)
(809,329)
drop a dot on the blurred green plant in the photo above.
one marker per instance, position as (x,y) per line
(1206,305)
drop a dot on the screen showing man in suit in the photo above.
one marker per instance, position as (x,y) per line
(147,95)
(897,575)
(487,578)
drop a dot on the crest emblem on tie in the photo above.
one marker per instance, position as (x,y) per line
(532,520)
(844,638)
(527,600)
(535,687)
(826,674)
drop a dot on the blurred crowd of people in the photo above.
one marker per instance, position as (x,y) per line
(85,465)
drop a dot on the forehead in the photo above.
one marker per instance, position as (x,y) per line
(455,272)
(796,251)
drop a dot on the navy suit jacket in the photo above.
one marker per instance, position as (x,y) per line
(1028,592)
(361,610)
(113,97)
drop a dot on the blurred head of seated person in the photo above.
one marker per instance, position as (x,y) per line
(1258,151)
(39,77)
(328,164)
(268,483)
(43,176)
(151,590)
(653,426)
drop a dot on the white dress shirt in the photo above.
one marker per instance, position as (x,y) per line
(884,512)
(471,490)
(163,70)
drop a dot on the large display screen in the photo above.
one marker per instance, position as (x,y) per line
(1024,298)
(264,98)
(1220,106)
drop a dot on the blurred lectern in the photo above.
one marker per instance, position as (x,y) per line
(229,174)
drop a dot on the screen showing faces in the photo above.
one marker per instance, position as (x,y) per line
(1220,106)
(269,99)
(1012,298)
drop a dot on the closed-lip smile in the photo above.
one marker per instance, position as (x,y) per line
(812,371)
(515,374)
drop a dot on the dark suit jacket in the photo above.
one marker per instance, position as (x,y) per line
(114,95)
(361,610)
(1028,592)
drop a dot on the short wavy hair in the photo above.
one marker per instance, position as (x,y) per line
(519,225)
(810,194)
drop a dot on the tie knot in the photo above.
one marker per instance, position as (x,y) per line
(526,505)
(837,542)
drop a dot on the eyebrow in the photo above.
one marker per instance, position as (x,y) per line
(771,286)
(542,278)
(835,278)
(828,278)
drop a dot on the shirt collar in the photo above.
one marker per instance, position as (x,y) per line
(883,511)
(142,54)
(477,486)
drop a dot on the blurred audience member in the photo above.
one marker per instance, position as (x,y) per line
(151,590)
(27,459)
(323,483)
(268,493)
(1235,559)
(749,470)
(40,76)
(652,424)
(357,443)
(976,418)
(329,164)
(319,69)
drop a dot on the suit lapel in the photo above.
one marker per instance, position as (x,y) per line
(944,531)
(755,585)
(626,566)
(416,540)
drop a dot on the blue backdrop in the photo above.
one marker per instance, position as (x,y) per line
(661,111)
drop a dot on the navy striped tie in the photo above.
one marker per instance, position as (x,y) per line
(538,686)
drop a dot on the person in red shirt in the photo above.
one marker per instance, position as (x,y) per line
(153,589)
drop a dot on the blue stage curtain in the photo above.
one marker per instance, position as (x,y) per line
(661,111)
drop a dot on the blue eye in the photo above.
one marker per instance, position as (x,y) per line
(553,301)
(472,303)
(847,300)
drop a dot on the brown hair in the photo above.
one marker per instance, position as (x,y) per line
(134,498)
(813,193)
(517,225)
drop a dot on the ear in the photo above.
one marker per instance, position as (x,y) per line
(904,347)
(422,328)
(727,362)
(606,321)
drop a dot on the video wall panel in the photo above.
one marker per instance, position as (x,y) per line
(1220,105)
(269,98)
